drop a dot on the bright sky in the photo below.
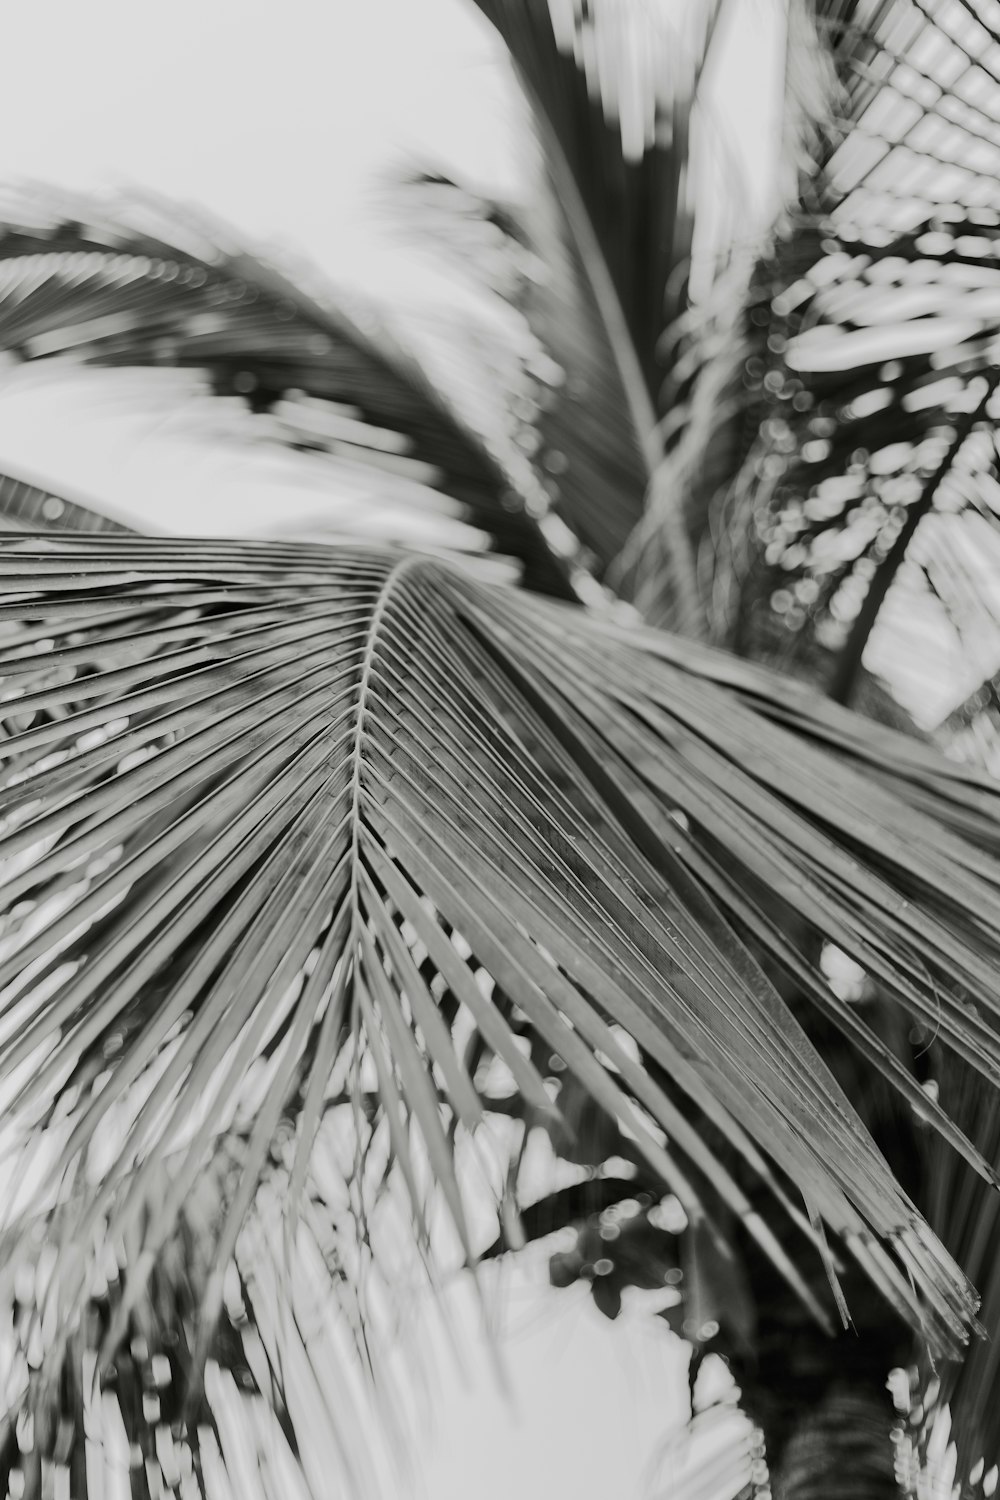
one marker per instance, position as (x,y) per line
(285,121)
(591,1411)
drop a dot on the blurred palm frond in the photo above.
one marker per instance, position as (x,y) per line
(872,356)
(143,283)
(598,258)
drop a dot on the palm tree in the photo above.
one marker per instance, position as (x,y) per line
(321,852)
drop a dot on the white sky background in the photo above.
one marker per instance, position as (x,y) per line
(285,120)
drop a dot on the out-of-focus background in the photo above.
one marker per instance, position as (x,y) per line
(291,124)
(292,129)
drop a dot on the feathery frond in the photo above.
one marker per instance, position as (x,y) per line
(598,258)
(149,284)
(248,784)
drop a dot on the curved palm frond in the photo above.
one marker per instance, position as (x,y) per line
(264,804)
(144,283)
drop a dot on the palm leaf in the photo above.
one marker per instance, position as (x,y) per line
(149,284)
(889,459)
(240,775)
(967,1220)
(865,512)
(30,507)
(871,371)
(964,1397)
(705,429)
(600,253)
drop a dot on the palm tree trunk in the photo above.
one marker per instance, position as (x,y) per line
(840,1450)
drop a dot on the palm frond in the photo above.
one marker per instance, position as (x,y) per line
(705,430)
(883,457)
(968,1222)
(30,507)
(247,785)
(871,378)
(302,846)
(142,283)
(598,258)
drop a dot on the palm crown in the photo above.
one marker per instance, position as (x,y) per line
(317,853)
